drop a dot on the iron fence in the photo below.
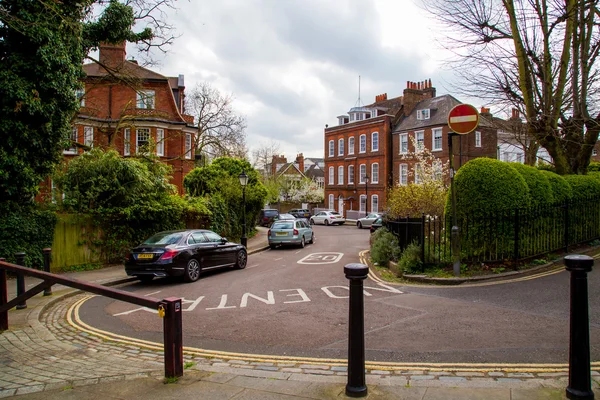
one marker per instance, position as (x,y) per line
(512,235)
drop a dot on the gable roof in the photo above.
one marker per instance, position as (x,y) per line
(439,108)
(127,69)
(314,172)
(285,170)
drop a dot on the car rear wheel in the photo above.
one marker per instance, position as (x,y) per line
(302,242)
(326,222)
(359,225)
(241,259)
(273,246)
(145,278)
(192,271)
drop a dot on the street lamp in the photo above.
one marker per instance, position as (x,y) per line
(366,195)
(244,181)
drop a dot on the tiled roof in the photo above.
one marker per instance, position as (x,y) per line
(393,105)
(314,172)
(439,107)
(128,68)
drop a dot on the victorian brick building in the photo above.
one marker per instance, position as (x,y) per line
(134,111)
(372,148)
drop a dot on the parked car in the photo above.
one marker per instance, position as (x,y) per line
(328,218)
(378,223)
(184,253)
(266,216)
(367,221)
(290,232)
(281,217)
(300,213)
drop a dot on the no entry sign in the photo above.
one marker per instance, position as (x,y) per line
(463,119)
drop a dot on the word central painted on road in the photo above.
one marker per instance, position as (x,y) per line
(270,297)
(321,258)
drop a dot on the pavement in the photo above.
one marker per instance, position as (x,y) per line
(49,353)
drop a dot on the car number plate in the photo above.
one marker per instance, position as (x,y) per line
(281,234)
(145,256)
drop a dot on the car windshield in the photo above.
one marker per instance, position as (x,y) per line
(164,238)
(283,225)
(334,213)
(270,213)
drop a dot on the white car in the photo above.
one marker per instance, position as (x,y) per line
(327,218)
(367,221)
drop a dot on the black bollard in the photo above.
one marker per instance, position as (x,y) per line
(21,280)
(47,254)
(356,386)
(580,382)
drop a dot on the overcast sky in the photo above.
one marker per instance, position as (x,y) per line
(293,66)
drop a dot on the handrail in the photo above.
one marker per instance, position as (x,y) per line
(169,308)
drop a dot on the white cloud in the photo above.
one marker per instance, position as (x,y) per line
(293,65)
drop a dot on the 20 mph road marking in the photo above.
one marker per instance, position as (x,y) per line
(321,258)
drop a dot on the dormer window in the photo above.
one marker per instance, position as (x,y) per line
(423,114)
(145,99)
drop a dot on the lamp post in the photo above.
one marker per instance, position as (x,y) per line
(366,195)
(244,181)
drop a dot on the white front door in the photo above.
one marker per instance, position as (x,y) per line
(341,205)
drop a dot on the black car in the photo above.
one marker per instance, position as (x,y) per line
(267,216)
(378,223)
(184,253)
(300,213)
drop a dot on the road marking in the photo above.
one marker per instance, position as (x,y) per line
(75,321)
(321,258)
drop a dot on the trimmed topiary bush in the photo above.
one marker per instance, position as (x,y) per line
(594,166)
(583,186)
(561,190)
(486,186)
(487,193)
(539,186)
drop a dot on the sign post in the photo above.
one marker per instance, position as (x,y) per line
(462,119)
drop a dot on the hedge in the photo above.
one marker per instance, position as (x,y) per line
(539,186)
(561,190)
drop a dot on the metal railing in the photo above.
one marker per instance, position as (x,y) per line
(512,235)
(169,308)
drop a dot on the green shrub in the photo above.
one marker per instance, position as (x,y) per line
(26,228)
(583,186)
(594,166)
(410,259)
(561,190)
(384,247)
(487,190)
(538,183)
(486,186)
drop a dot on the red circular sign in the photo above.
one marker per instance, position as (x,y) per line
(463,119)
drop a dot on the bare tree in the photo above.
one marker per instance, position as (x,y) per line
(263,157)
(221,132)
(535,55)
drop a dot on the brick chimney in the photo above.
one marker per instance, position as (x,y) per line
(485,112)
(300,162)
(380,97)
(414,93)
(515,114)
(112,55)
(276,160)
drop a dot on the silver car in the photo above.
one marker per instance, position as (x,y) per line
(328,218)
(290,232)
(367,221)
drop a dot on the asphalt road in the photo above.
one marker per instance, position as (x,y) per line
(295,302)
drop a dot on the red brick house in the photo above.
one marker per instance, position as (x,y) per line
(364,157)
(426,124)
(358,155)
(133,110)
